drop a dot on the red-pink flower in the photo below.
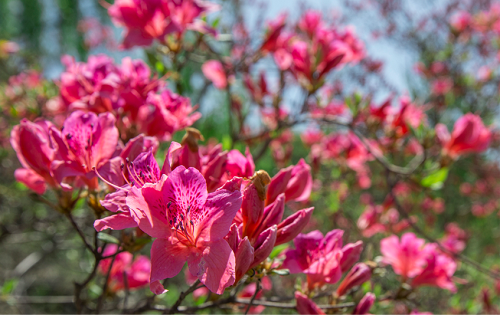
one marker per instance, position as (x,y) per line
(441,86)
(469,135)
(317,256)
(126,272)
(189,225)
(306,306)
(92,86)
(165,114)
(214,71)
(407,257)
(240,165)
(147,20)
(438,272)
(87,141)
(36,152)
(142,170)
(460,21)
(273,32)
(309,22)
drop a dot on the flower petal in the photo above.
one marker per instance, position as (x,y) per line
(118,221)
(215,267)
(147,207)
(167,260)
(219,211)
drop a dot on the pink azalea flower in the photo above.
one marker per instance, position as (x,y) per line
(460,21)
(165,114)
(134,271)
(441,86)
(87,141)
(147,20)
(295,181)
(312,136)
(144,21)
(274,30)
(240,165)
(306,306)
(92,86)
(438,272)
(189,225)
(405,116)
(407,257)
(316,256)
(36,152)
(143,170)
(135,85)
(214,71)
(469,135)
(309,22)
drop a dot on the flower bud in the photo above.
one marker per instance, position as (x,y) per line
(306,305)
(293,225)
(365,304)
(350,254)
(264,245)
(358,275)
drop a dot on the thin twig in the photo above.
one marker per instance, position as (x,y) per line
(182,296)
(80,233)
(105,286)
(257,289)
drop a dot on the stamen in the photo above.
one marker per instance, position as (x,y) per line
(106,181)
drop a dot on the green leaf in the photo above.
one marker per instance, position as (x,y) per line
(106,238)
(435,180)
(8,286)
(277,250)
(226,142)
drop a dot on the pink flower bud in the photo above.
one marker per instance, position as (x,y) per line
(358,275)
(293,225)
(306,306)
(243,252)
(365,304)
(350,254)
(264,245)
(252,208)
(294,181)
(273,213)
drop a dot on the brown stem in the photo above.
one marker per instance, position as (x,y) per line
(182,296)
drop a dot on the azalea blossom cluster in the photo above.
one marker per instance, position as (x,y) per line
(359,168)
(139,101)
(146,20)
(207,207)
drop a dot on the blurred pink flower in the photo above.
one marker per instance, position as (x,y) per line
(214,71)
(469,135)
(126,272)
